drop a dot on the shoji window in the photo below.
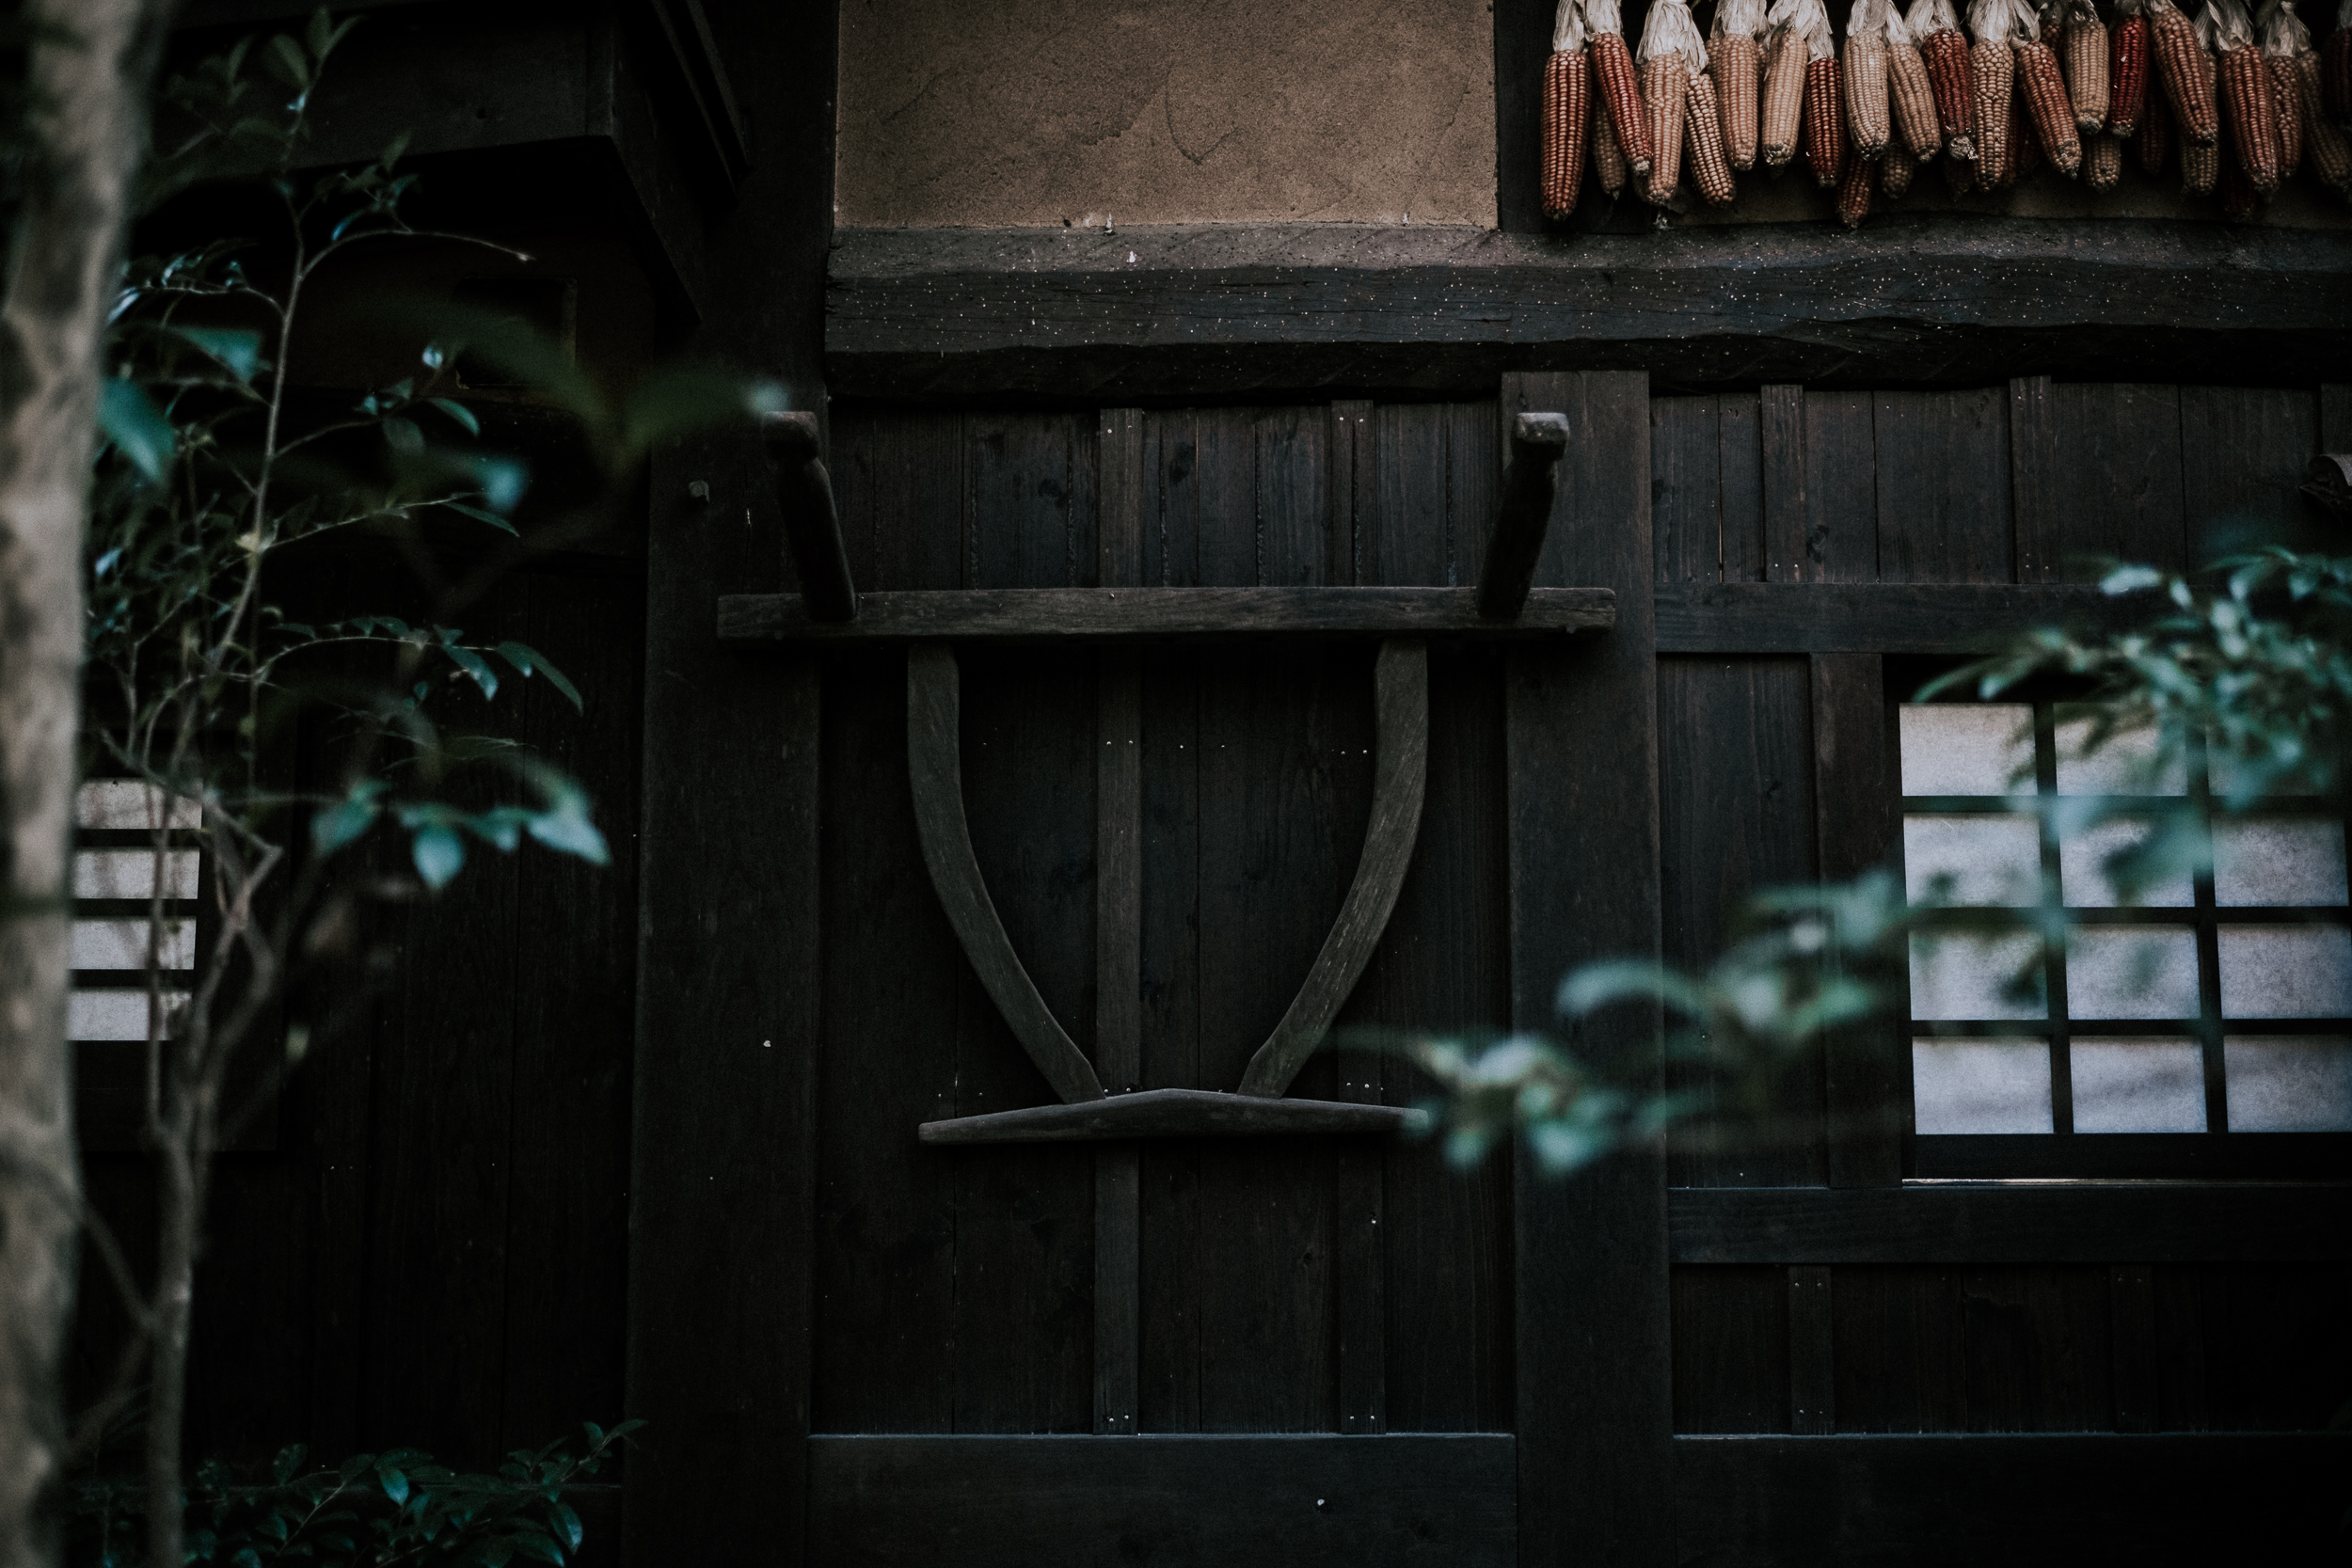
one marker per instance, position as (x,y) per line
(116,872)
(2153,1033)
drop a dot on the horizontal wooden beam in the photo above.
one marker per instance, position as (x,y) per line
(1303,1501)
(1149,614)
(1962,1500)
(1874,617)
(1174,1114)
(1158,314)
(2088,1222)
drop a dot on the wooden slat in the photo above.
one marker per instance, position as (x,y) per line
(1731,1348)
(1150,614)
(1812,1378)
(1017,1502)
(1354,491)
(1841,513)
(1872,618)
(2151,1224)
(1781,446)
(1866,1068)
(1524,515)
(1173,1113)
(935,768)
(2035,478)
(1739,452)
(1400,684)
(1941,486)
(1686,512)
(1594,1405)
(2244,451)
(2132,1300)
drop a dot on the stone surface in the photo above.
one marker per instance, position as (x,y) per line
(1010,112)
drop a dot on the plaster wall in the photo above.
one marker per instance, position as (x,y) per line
(1011,112)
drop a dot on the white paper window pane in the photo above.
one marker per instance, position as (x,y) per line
(1991,860)
(114,1015)
(1966,748)
(2277,860)
(130,873)
(2083,878)
(1955,978)
(1980,1087)
(2225,775)
(2131,972)
(122,944)
(2137,1085)
(129,803)
(2285,971)
(2124,764)
(2286,1083)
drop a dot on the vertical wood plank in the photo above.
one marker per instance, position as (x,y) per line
(1739,464)
(1780,441)
(2117,491)
(2243,455)
(1354,488)
(1944,479)
(898,486)
(1118,931)
(1594,1406)
(2335,417)
(1867,1070)
(1686,490)
(1409,543)
(2035,481)
(2132,1297)
(1812,1370)
(1731,1348)
(1840,488)
(1896,1334)
(1472,488)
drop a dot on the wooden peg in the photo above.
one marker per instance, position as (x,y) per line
(1538,442)
(805,495)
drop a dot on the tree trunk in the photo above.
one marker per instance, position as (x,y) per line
(88,66)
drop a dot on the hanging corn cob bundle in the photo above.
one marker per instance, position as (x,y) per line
(2088,55)
(1992,73)
(1783,109)
(1565,113)
(2155,138)
(2025,148)
(2103,162)
(1910,96)
(2201,161)
(2180,67)
(2043,90)
(2335,70)
(1608,157)
(1736,59)
(1613,79)
(1853,192)
(1869,119)
(2050,19)
(2127,68)
(1895,171)
(1670,41)
(2246,106)
(1703,143)
(1935,27)
(2283,38)
(2330,153)
(1824,99)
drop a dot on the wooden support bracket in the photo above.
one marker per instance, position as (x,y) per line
(805,495)
(1173,1113)
(1524,516)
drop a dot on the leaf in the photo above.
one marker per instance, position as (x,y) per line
(348,818)
(387,1475)
(137,427)
(238,351)
(473,663)
(404,437)
(289,63)
(440,854)
(531,661)
(458,411)
(567,1527)
(478,515)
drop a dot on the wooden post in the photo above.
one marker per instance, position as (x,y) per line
(805,496)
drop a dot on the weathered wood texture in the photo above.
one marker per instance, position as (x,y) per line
(1175,1114)
(1161,614)
(1226,311)
(1318,1502)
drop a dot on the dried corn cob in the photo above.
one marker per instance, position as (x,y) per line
(2155,138)
(2103,162)
(2180,67)
(1992,73)
(2335,70)
(1670,42)
(1565,118)
(2086,57)
(2246,102)
(1612,72)
(2025,148)
(2046,106)
(1736,59)
(1824,122)
(1911,98)
(2200,163)
(1863,77)
(1608,157)
(2330,153)
(2240,202)
(1959,178)
(1945,52)
(2283,39)
(2127,70)
(2051,23)
(1853,192)
(1895,171)
(1783,97)
(1703,144)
